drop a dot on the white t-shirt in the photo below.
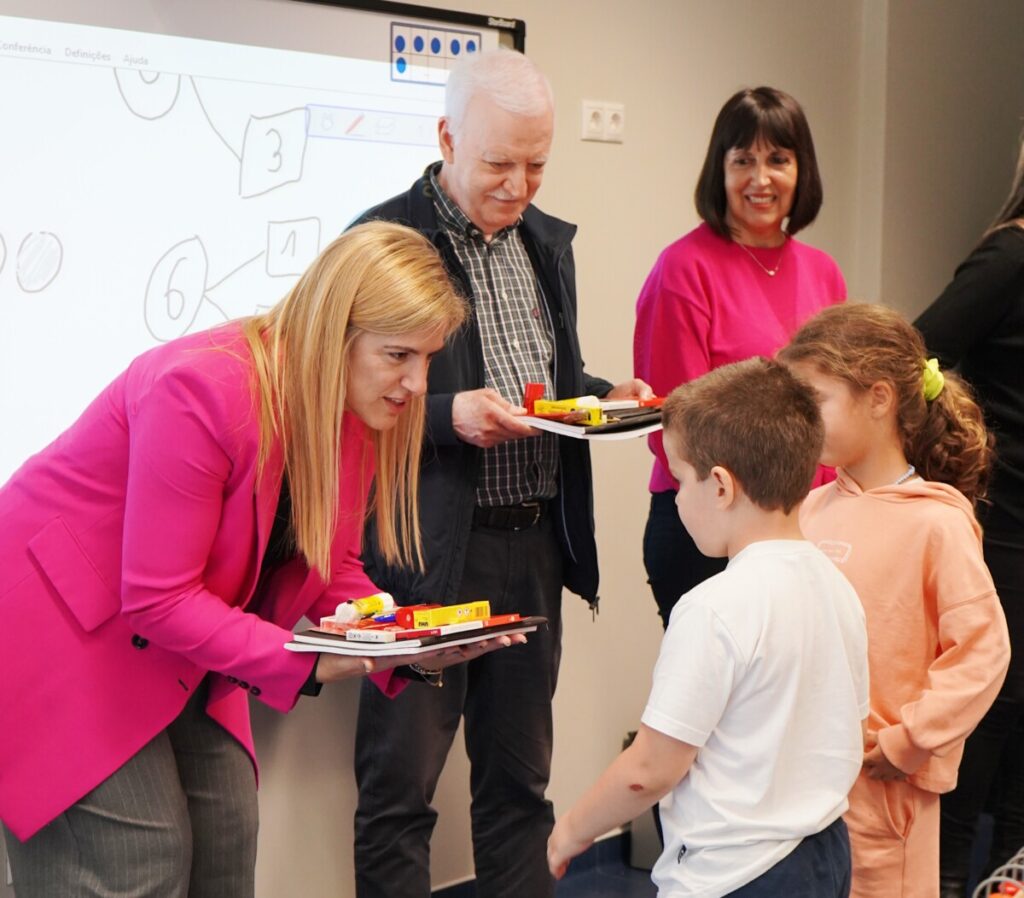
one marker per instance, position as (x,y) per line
(764,668)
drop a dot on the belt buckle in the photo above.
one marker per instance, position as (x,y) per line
(536,506)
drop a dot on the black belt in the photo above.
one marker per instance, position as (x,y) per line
(510,517)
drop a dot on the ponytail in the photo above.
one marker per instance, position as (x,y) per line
(950,444)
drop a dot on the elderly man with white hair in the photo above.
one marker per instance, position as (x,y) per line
(506,511)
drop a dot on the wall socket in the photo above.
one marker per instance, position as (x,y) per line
(603,121)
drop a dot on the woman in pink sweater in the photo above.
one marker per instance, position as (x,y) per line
(913,456)
(736,286)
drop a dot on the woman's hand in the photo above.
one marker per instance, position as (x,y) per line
(331,668)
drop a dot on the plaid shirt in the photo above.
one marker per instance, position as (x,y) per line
(515,336)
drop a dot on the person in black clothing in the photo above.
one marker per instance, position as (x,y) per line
(977,323)
(506,512)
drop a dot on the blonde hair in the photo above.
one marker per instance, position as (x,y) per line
(862,344)
(379,278)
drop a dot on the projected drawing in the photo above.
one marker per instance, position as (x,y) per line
(149,95)
(175,290)
(292,246)
(179,298)
(272,152)
(3,252)
(39,259)
(422,55)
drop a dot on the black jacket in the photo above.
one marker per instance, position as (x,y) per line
(450,468)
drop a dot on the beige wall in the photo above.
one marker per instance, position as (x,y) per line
(955,101)
(915,106)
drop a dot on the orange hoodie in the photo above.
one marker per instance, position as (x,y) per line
(938,647)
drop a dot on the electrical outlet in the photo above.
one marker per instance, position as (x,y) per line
(614,122)
(603,121)
(592,122)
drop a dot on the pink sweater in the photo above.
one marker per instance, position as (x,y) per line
(706,303)
(938,648)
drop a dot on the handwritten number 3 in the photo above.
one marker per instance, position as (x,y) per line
(276,154)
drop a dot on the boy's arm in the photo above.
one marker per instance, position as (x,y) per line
(639,777)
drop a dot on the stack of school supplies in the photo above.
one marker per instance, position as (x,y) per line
(375,625)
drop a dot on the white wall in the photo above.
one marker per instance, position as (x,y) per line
(915,106)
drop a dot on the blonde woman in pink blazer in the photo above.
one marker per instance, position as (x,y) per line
(155,556)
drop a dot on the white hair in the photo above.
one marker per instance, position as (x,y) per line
(506,77)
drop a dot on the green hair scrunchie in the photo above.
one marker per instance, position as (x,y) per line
(933,380)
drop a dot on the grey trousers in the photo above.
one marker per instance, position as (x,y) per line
(178,819)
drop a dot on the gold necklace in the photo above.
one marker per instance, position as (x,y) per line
(771,272)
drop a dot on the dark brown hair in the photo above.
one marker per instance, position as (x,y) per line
(863,344)
(755,419)
(774,117)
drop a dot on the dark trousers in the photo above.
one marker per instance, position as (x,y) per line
(505,698)
(674,563)
(991,775)
(178,819)
(819,867)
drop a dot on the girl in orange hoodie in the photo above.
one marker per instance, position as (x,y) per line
(913,458)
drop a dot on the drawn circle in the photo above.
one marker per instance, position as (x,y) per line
(400,64)
(149,95)
(435,45)
(39,259)
(400,43)
(175,290)
(456,48)
(417,44)
(471,46)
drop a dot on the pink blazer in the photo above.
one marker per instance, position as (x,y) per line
(129,553)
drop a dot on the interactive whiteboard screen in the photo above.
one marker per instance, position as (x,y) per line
(154,184)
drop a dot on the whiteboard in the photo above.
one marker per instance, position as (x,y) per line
(167,166)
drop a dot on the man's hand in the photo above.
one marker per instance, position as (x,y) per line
(879,767)
(631,389)
(482,418)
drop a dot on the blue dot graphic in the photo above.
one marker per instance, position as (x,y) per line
(417,44)
(471,46)
(400,43)
(435,45)
(400,64)
(456,47)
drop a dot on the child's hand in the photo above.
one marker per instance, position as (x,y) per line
(562,848)
(879,767)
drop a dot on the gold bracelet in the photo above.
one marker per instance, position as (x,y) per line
(430,677)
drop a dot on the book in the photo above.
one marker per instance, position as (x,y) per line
(317,640)
(622,424)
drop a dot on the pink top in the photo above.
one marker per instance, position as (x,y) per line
(129,556)
(707,303)
(937,642)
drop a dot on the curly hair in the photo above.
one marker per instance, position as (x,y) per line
(945,438)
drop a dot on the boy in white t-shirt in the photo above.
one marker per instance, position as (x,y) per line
(752,735)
